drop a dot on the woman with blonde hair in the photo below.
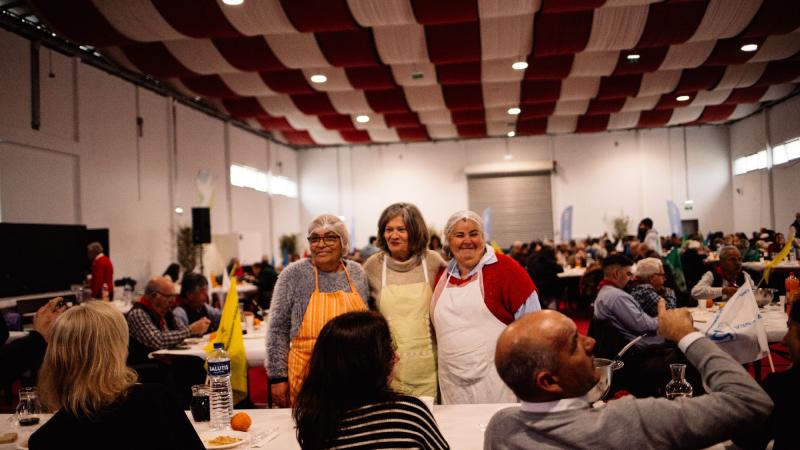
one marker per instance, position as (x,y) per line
(401,279)
(98,404)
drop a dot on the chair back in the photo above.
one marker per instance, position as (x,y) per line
(609,340)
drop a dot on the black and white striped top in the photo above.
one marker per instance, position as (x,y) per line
(403,423)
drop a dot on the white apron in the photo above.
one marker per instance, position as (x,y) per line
(406,308)
(466,335)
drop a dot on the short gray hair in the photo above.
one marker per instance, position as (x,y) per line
(95,247)
(457,217)
(648,267)
(333,224)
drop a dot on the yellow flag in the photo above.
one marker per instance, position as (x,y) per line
(230,334)
(778,258)
(496,247)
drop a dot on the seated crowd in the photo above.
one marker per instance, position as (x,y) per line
(352,349)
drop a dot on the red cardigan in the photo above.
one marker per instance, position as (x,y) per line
(506,286)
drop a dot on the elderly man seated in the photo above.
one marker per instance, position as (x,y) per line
(550,367)
(647,364)
(725,279)
(192,304)
(648,287)
(152,325)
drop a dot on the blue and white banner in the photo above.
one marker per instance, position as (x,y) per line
(487,224)
(674,214)
(566,224)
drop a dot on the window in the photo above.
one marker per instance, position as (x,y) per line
(248,177)
(782,153)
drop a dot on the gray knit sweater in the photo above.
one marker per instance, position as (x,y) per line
(289,302)
(737,404)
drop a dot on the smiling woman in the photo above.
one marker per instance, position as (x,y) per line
(475,298)
(400,280)
(308,294)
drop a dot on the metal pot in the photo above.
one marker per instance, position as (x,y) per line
(605,370)
(764,296)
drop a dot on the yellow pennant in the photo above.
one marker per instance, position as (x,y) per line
(777,260)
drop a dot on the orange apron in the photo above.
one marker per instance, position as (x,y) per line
(322,307)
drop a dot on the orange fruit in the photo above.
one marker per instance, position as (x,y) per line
(241,421)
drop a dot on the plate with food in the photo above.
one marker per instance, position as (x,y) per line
(223,439)
(193,340)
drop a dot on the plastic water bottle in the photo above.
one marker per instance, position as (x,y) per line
(219,374)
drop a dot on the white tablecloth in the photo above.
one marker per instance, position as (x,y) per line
(463,426)
(774,321)
(784,265)
(572,272)
(254,345)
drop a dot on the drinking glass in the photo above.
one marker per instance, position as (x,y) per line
(201,395)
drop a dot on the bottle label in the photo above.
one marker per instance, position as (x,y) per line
(219,368)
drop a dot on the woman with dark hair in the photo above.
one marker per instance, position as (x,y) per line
(173,272)
(401,284)
(346,400)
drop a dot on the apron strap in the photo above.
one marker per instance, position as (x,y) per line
(349,280)
(346,273)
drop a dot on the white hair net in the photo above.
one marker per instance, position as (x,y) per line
(648,267)
(456,218)
(331,223)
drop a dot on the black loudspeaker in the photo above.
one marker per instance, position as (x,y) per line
(201,226)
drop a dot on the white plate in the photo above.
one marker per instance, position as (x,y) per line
(209,435)
(193,341)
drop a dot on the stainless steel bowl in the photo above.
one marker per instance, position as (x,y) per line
(605,371)
(764,296)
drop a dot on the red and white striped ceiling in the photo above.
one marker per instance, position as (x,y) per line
(442,69)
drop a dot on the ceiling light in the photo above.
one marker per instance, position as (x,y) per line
(682,98)
(178,210)
(362,119)
(633,57)
(749,47)
(233,2)
(507,156)
(519,65)
(514,111)
(318,78)
(511,134)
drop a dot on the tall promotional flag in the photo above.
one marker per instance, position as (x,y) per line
(674,214)
(566,224)
(230,334)
(487,224)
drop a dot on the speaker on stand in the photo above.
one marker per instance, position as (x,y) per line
(201,230)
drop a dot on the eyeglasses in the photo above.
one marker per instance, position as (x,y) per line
(328,239)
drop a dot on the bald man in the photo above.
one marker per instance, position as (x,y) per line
(152,325)
(550,367)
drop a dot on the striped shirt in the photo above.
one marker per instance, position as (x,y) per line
(403,423)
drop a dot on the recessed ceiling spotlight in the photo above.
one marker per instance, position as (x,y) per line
(507,156)
(682,98)
(749,47)
(178,210)
(362,119)
(519,65)
(633,57)
(233,2)
(511,134)
(514,111)
(318,78)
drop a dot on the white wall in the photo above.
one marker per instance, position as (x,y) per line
(757,204)
(88,165)
(603,175)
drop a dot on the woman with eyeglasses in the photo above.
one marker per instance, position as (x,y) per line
(648,286)
(308,294)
